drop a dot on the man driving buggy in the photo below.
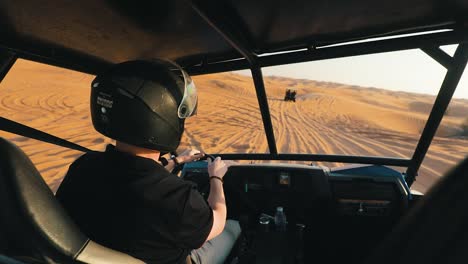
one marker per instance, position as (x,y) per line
(124,198)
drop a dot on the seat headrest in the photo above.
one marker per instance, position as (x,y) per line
(29,211)
(435,230)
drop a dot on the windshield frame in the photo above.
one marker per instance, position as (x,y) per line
(429,43)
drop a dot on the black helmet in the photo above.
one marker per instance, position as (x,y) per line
(143,103)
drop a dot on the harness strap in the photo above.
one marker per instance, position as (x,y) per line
(26,131)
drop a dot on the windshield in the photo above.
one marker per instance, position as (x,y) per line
(228,118)
(327,117)
(373,105)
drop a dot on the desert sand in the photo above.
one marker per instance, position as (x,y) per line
(327,118)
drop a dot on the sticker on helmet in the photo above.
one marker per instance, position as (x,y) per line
(104,102)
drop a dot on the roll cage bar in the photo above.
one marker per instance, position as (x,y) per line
(429,43)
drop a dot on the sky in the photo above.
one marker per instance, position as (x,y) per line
(411,71)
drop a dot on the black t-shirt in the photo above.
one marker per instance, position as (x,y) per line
(134,205)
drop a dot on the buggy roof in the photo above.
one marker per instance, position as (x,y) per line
(87,35)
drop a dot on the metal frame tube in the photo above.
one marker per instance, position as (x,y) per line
(264,108)
(7,60)
(319,157)
(447,89)
(323,53)
(440,56)
(55,55)
(238,42)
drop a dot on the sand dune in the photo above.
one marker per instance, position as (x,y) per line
(328,118)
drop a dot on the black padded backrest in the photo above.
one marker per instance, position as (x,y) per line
(29,211)
(3,241)
(436,229)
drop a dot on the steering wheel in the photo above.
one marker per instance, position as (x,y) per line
(180,167)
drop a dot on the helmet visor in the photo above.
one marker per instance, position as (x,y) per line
(188,105)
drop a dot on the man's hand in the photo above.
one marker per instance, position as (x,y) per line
(189,155)
(217,167)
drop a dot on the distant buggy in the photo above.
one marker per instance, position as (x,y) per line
(290,95)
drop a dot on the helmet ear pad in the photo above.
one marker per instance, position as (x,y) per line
(145,116)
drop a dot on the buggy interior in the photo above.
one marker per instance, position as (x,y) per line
(360,213)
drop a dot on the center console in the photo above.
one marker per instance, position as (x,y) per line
(278,247)
(255,191)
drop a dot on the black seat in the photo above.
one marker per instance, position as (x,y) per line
(436,229)
(35,222)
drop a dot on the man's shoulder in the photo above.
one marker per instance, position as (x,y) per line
(90,161)
(112,163)
(78,168)
(138,174)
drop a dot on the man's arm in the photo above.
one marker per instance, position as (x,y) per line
(216,199)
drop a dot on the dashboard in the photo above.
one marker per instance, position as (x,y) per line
(351,208)
(366,190)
